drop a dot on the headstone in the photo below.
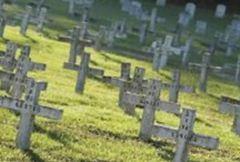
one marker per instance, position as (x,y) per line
(190,8)
(71,7)
(25,20)
(161,3)
(220,11)
(29,108)
(3,23)
(156,49)
(201,27)
(184,135)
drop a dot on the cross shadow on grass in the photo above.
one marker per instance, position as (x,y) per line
(108,134)
(33,156)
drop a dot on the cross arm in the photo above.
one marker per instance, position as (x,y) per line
(96,72)
(169,107)
(196,139)
(115,81)
(133,98)
(64,38)
(5,63)
(204,141)
(187,89)
(37,66)
(19,106)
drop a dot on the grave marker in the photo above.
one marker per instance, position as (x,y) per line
(161,3)
(231,106)
(29,108)
(143,32)
(184,135)
(84,70)
(191,9)
(19,79)
(153,20)
(25,20)
(201,27)
(220,11)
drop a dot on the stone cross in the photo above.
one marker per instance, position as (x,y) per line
(166,50)
(132,99)
(29,108)
(84,70)
(231,106)
(3,22)
(205,68)
(190,8)
(220,11)
(100,38)
(38,5)
(25,20)
(201,27)
(41,20)
(153,20)
(71,7)
(185,50)
(156,50)
(124,76)
(18,79)
(237,74)
(8,63)
(184,135)
(175,87)
(77,44)
(143,32)
(183,21)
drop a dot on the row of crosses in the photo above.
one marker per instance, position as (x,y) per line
(184,135)
(14,79)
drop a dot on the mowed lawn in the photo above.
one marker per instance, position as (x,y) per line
(93,127)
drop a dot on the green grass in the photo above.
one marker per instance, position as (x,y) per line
(93,127)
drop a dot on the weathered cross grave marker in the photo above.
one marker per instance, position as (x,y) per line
(19,79)
(84,70)
(8,62)
(175,87)
(29,108)
(143,32)
(205,68)
(184,135)
(133,99)
(231,106)
(201,27)
(190,8)
(166,49)
(77,44)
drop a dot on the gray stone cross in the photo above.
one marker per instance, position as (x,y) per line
(231,106)
(25,20)
(184,135)
(84,70)
(175,87)
(77,44)
(205,68)
(131,100)
(19,79)
(164,51)
(29,108)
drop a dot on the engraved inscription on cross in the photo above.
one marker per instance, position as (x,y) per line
(18,79)
(132,100)
(29,108)
(231,106)
(184,135)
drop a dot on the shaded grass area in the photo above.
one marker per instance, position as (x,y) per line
(93,127)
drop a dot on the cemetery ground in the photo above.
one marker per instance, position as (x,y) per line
(93,127)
